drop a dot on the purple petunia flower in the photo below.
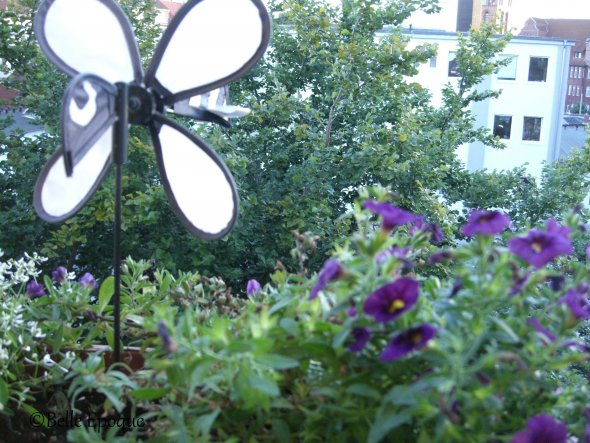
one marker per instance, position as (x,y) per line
(542,429)
(361,336)
(59,275)
(392,215)
(549,336)
(392,300)
(394,251)
(436,235)
(87,280)
(352,311)
(168,342)
(439,256)
(457,286)
(485,222)
(253,287)
(540,247)
(556,282)
(35,290)
(408,341)
(332,270)
(518,284)
(578,304)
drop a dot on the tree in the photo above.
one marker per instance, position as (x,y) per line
(334,108)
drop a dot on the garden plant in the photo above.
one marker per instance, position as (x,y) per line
(395,339)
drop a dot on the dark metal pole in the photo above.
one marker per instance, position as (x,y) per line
(119,158)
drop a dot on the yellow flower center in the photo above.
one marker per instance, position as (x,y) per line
(537,247)
(416,338)
(396,305)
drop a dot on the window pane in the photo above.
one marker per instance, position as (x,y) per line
(508,72)
(453,71)
(433,62)
(502,126)
(587,91)
(538,69)
(532,129)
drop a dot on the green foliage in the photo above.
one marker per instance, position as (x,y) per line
(334,108)
(278,367)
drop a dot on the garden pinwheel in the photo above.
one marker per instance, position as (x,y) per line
(208,44)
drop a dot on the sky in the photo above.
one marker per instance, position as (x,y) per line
(522,9)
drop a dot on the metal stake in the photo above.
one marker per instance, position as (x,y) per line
(119,158)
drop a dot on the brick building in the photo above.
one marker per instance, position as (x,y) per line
(495,11)
(578,78)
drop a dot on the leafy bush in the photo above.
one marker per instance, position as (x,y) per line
(394,340)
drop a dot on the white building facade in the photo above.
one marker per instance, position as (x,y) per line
(527,116)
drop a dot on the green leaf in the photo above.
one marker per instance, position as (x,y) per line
(504,326)
(281,431)
(36,417)
(149,393)
(3,392)
(364,391)
(265,385)
(107,289)
(204,422)
(276,361)
(340,337)
(385,423)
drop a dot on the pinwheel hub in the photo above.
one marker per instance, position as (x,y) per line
(142,104)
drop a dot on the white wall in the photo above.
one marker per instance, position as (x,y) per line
(519,98)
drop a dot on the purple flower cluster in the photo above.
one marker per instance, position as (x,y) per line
(485,222)
(540,247)
(253,287)
(59,275)
(386,304)
(87,281)
(332,270)
(393,251)
(408,341)
(577,302)
(360,338)
(392,215)
(434,230)
(546,333)
(34,290)
(392,300)
(542,429)
(168,342)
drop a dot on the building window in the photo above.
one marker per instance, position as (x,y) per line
(569,90)
(532,129)
(508,72)
(571,72)
(588,74)
(486,16)
(538,69)
(577,55)
(502,126)
(453,70)
(433,62)
(587,91)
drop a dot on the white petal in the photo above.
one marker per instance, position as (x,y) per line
(200,187)
(88,36)
(209,43)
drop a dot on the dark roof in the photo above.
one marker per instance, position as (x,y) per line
(574,29)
